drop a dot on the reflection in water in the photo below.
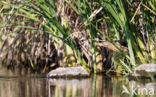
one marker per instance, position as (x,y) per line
(23,87)
(70,88)
(95,86)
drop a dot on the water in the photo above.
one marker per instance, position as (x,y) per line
(94,86)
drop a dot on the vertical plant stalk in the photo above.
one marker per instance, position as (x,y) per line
(99,60)
(126,30)
(130,48)
(60,43)
(143,30)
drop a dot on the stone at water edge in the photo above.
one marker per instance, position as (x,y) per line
(145,70)
(68,72)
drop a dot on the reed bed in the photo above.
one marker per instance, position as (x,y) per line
(101,35)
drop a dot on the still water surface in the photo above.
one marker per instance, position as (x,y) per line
(94,86)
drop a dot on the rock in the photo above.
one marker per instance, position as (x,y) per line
(69,72)
(145,70)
